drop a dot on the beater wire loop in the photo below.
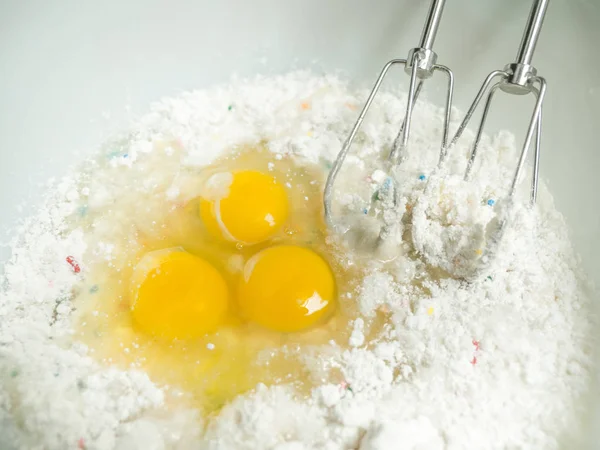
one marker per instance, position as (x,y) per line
(449,95)
(486,110)
(534,123)
(420,65)
(399,150)
(339,160)
(482,90)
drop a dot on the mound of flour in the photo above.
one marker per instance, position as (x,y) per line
(501,362)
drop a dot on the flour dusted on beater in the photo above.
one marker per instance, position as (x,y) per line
(431,362)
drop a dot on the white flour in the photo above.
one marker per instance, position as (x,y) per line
(501,363)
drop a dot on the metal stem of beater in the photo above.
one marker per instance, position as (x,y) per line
(420,64)
(432,23)
(532,32)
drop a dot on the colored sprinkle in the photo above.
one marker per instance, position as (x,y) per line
(82,210)
(14,373)
(230,107)
(73,264)
(94,289)
(388,182)
(345,386)
(422,177)
(117,154)
(479,251)
(489,277)
(351,106)
(365,211)
(491,202)
(309,134)
(305,105)
(476,344)
(81,444)
(430,310)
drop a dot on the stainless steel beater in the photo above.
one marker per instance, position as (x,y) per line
(520,78)
(420,64)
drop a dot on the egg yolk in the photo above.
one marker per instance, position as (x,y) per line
(246,207)
(177,295)
(286,288)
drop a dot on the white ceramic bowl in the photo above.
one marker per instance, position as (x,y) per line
(68,70)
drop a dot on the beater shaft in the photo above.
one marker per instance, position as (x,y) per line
(532,32)
(432,23)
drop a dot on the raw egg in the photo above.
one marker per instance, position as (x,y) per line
(245,207)
(210,319)
(286,288)
(177,295)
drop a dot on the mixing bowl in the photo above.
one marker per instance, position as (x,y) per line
(72,73)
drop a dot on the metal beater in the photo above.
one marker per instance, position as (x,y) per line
(420,64)
(518,78)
